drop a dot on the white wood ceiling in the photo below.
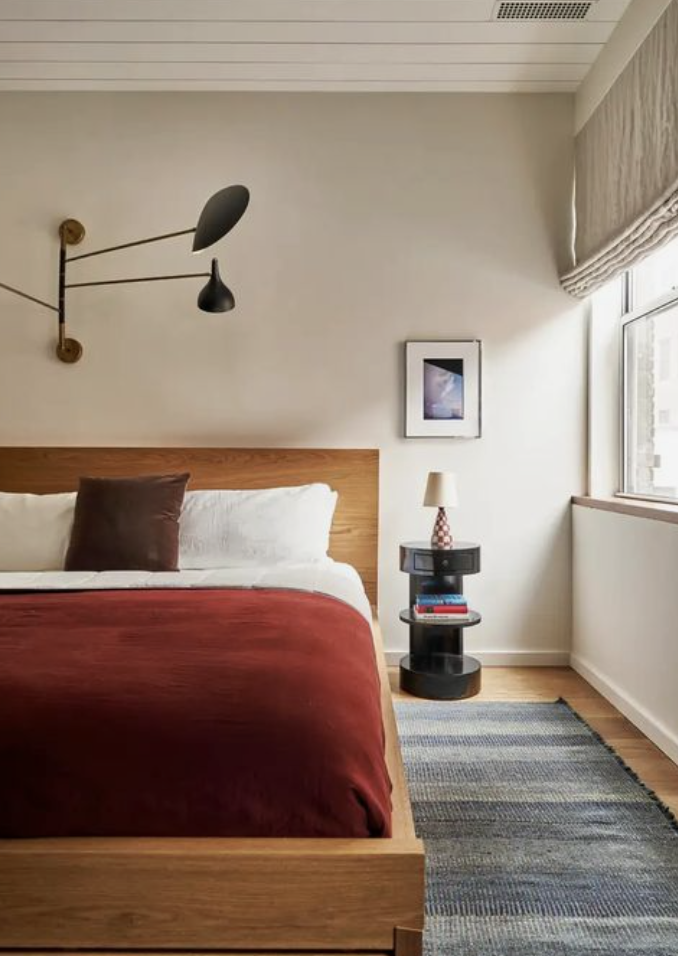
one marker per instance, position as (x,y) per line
(440,45)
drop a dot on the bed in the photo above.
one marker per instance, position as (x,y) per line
(223,894)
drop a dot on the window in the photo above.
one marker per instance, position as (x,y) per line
(656,275)
(650,377)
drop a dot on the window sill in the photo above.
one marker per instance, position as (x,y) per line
(652,510)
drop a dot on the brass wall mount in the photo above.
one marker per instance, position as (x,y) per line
(71,233)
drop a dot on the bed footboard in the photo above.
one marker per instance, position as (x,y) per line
(224,895)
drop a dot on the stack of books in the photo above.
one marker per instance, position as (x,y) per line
(441,608)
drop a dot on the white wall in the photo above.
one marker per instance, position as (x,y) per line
(625,617)
(374,219)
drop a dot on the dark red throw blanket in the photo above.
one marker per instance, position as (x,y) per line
(189,713)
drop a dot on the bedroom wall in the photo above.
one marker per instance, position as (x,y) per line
(625,612)
(375,219)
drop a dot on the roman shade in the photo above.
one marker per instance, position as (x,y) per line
(627,165)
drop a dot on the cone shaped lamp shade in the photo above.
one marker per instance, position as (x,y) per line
(221,212)
(215,297)
(441,490)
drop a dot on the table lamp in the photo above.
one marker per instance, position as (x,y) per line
(441,492)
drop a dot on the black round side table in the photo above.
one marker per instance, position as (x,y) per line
(436,666)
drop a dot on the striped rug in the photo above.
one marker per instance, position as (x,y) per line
(539,841)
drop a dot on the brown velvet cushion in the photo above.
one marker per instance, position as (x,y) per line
(127,524)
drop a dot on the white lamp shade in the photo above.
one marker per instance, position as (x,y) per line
(441,490)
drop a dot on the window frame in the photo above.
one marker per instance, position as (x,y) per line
(630,315)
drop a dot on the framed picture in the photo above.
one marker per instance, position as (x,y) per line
(442,389)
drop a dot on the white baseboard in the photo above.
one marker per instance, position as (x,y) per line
(506,658)
(658,733)
(523,658)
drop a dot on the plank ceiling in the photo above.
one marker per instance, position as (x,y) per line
(455,45)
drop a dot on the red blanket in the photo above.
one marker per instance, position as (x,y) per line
(189,713)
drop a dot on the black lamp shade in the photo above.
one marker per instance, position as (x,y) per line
(221,212)
(216,297)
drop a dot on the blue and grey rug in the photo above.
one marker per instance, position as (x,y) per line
(539,841)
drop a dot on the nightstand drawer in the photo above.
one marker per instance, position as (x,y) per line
(422,562)
(460,559)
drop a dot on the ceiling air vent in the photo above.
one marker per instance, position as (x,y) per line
(565,10)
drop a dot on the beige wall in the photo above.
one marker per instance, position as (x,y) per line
(374,219)
(625,612)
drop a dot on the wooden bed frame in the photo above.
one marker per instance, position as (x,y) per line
(235,896)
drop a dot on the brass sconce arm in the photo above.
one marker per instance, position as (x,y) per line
(129,245)
(186,275)
(25,295)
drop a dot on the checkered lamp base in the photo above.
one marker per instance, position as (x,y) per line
(441,539)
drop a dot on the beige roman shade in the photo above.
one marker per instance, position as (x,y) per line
(627,165)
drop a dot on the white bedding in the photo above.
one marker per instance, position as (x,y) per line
(338,580)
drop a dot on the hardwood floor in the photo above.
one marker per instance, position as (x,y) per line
(654,768)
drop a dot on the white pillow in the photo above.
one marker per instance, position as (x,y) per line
(35,531)
(230,529)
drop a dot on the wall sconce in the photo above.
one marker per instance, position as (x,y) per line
(220,214)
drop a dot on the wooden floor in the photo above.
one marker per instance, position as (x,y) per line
(549,683)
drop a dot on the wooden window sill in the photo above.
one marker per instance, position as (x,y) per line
(652,510)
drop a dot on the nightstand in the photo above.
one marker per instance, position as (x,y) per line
(436,666)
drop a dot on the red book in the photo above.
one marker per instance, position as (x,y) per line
(441,609)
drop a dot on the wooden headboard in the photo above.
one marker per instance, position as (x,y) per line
(353,473)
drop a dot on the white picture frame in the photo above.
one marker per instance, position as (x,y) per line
(443,389)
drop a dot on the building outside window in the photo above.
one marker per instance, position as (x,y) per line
(649,328)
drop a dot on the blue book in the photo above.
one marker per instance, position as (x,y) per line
(439,600)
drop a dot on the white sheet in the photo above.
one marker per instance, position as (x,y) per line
(338,580)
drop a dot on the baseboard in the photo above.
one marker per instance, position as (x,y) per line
(506,658)
(523,658)
(657,732)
